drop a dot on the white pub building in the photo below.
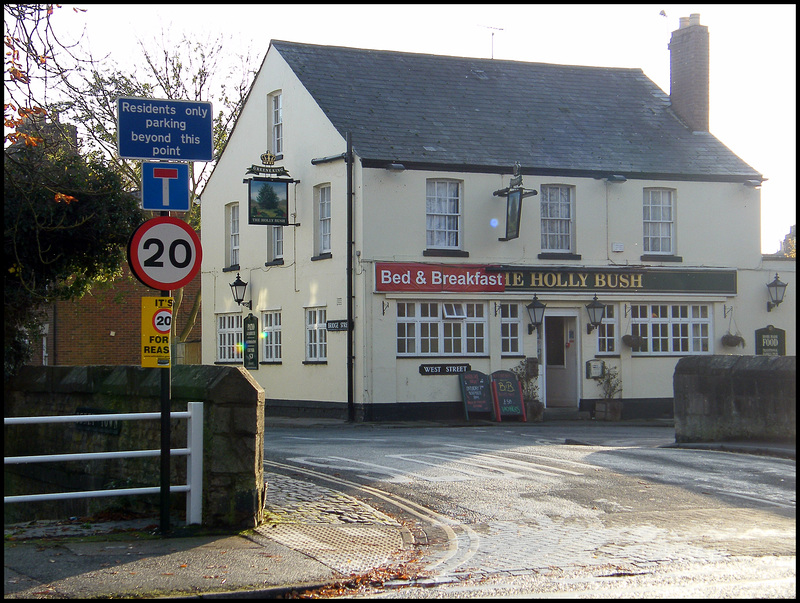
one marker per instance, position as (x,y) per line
(388,218)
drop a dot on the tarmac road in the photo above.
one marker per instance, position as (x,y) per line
(477,511)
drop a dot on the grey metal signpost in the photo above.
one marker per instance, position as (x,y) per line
(164,130)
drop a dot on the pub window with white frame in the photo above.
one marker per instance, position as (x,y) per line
(607,332)
(316,335)
(230,335)
(658,216)
(441,329)
(271,335)
(510,329)
(276,122)
(324,219)
(557,214)
(443,214)
(671,329)
(274,243)
(232,233)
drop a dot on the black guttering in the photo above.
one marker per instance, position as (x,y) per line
(597,174)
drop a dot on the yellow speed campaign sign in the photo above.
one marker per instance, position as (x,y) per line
(156,326)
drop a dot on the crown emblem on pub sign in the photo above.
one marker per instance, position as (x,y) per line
(268,158)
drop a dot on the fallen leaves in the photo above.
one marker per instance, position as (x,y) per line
(358,583)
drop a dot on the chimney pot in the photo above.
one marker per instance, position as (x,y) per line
(689,72)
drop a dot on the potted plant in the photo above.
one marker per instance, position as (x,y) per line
(609,408)
(731,341)
(528,376)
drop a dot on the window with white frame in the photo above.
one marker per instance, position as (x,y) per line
(441,329)
(274,243)
(316,335)
(607,332)
(232,233)
(659,221)
(271,336)
(230,336)
(324,224)
(557,218)
(443,214)
(671,329)
(276,121)
(510,329)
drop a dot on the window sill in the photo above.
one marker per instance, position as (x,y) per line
(445,253)
(661,258)
(273,362)
(231,268)
(315,362)
(228,362)
(442,357)
(322,256)
(559,256)
(274,263)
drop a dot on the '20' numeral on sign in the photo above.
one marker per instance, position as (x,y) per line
(154,260)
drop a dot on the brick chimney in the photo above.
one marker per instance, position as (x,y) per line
(688,66)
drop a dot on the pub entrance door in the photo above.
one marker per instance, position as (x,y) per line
(561,361)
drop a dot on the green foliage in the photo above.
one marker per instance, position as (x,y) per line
(529,383)
(610,383)
(66,225)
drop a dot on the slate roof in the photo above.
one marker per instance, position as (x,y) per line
(483,114)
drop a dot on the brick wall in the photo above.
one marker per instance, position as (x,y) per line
(104,327)
(689,73)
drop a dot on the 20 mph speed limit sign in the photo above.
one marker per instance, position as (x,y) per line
(164,253)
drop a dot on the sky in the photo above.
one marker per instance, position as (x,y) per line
(753,54)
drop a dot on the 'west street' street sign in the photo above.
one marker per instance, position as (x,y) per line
(177,130)
(165,186)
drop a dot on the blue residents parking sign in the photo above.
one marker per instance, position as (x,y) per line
(160,129)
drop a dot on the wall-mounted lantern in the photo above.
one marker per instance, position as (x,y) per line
(238,287)
(776,289)
(535,314)
(596,310)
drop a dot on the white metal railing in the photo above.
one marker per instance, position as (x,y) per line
(194,452)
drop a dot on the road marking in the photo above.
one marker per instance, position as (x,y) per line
(539,456)
(490,462)
(755,499)
(396,476)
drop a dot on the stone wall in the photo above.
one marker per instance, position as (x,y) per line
(233,440)
(722,398)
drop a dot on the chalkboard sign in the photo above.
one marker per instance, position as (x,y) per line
(507,395)
(476,393)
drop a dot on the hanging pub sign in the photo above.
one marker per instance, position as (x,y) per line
(268,167)
(514,193)
(513,212)
(268,201)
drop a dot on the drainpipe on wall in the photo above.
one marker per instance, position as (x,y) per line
(351,410)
